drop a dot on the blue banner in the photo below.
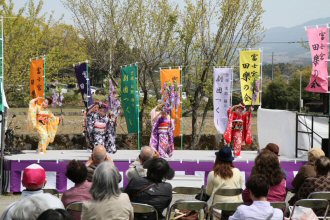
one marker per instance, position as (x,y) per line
(84,84)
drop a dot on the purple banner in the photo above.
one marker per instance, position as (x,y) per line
(14,169)
(81,71)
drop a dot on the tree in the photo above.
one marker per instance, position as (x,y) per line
(276,94)
(211,38)
(27,34)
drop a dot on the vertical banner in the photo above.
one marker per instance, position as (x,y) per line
(81,71)
(37,86)
(222,81)
(318,42)
(2,94)
(170,75)
(250,67)
(130,97)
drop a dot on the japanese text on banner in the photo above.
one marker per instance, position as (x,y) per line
(130,97)
(84,84)
(318,42)
(222,82)
(250,76)
(171,75)
(37,78)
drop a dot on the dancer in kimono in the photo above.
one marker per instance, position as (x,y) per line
(101,126)
(43,121)
(238,128)
(162,139)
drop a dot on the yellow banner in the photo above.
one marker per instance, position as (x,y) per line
(250,76)
(37,78)
(169,75)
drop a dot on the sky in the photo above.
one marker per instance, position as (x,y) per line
(284,13)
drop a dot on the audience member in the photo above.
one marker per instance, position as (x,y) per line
(306,171)
(319,183)
(267,164)
(29,208)
(136,168)
(55,214)
(224,175)
(274,148)
(98,156)
(77,172)
(260,209)
(34,179)
(152,189)
(108,202)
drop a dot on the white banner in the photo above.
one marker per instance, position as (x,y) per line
(222,81)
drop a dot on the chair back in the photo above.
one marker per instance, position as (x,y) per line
(75,206)
(228,192)
(185,190)
(312,203)
(319,195)
(144,209)
(226,206)
(278,205)
(186,205)
(223,206)
(52,191)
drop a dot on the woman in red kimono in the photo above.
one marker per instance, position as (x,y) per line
(238,128)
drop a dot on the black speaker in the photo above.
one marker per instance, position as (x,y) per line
(325,146)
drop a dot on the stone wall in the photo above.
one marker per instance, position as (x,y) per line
(124,141)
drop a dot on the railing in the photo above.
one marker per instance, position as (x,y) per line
(310,130)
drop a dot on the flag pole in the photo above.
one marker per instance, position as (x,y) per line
(45,82)
(182,124)
(138,104)
(88,85)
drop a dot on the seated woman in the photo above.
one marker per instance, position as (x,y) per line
(152,190)
(267,164)
(77,172)
(224,176)
(108,202)
(319,183)
(306,171)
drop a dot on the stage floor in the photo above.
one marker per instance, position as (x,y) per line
(130,155)
(191,167)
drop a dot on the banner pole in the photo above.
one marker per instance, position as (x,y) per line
(182,121)
(138,107)
(45,85)
(260,87)
(87,82)
(2,114)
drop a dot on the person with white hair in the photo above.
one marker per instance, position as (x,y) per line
(108,201)
(34,179)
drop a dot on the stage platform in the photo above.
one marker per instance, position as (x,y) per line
(191,166)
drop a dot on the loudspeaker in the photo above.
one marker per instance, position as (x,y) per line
(325,146)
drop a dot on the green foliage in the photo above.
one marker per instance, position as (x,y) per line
(28,34)
(283,92)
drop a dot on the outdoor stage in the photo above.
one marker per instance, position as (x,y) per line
(191,166)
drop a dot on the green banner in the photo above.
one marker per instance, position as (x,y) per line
(130,97)
(1,67)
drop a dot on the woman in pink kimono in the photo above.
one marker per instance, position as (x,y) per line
(162,139)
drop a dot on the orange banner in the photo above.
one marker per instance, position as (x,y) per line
(37,78)
(169,75)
